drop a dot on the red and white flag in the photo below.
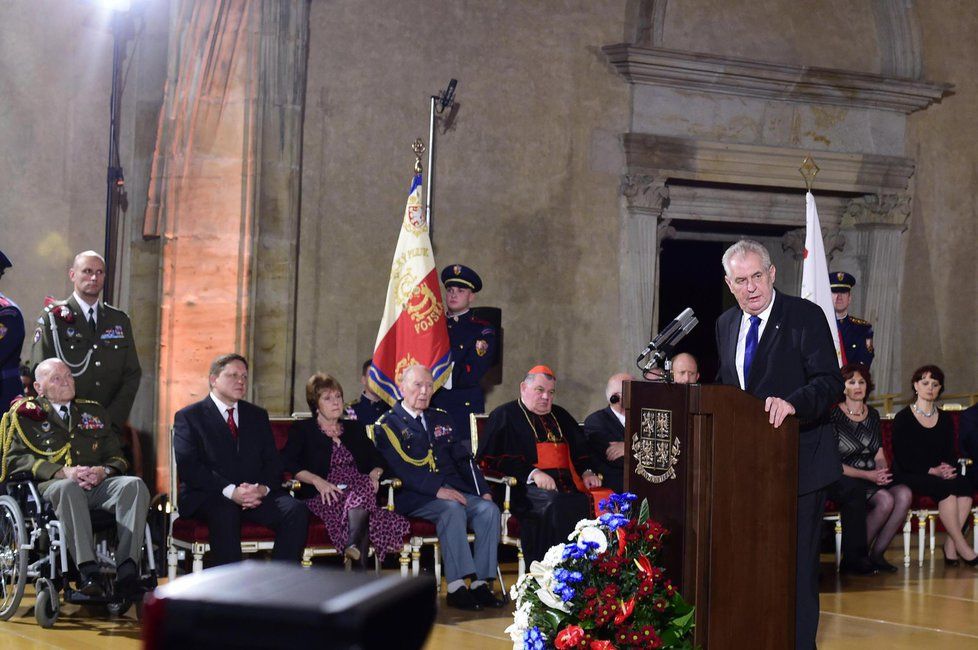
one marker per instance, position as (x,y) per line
(815,271)
(413,330)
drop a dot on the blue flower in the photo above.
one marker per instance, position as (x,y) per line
(566,593)
(606,505)
(613,520)
(533,640)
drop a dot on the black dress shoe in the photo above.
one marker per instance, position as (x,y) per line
(881,564)
(860,567)
(485,597)
(462,598)
(90,586)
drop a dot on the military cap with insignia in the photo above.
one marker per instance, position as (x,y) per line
(457,275)
(841,282)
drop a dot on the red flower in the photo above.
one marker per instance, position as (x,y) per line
(64,313)
(590,592)
(649,638)
(569,637)
(644,564)
(670,590)
(622,539)
(660,604)
(646,588)
(602,645)
(627,607)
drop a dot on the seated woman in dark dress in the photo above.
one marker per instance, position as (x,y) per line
(923,446)
(340,470)
(873,507)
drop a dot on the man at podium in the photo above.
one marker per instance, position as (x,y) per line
(542,446)
(779,349)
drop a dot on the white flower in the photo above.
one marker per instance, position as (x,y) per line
(521,622)
(553,556)
(596,535)
(540,572)
(551,600)
(583,523)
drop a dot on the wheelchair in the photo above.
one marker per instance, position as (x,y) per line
(32,547)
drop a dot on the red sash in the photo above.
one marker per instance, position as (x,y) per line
(556,455)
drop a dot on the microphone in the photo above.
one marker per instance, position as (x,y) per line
(447,98)
(680,325)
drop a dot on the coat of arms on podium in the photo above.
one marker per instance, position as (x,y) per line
(655,448)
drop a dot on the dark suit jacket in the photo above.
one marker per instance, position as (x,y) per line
(208,460)
(968,434)
(310,449)
(398,435)
(796,361)
(601,428)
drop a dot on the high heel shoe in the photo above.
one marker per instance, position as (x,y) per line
(972,562)
(949,561)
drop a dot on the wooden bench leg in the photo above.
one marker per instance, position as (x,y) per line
(416,559)
(921,525)
(931,531)
(520,562)
(437,548)
(906,541)
(171,563)
(838,542)
(405,560)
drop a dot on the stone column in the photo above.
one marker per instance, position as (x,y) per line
(644,197)
(879,222)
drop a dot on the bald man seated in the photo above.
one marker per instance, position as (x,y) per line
(605,433)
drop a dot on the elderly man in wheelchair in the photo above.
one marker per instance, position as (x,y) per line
(69,449)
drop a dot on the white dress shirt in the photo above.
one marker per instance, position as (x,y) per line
(85,306)
(765,316)
(223,409)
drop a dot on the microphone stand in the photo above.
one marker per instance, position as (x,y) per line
(440,102)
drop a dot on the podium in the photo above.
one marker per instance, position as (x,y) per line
(723,481)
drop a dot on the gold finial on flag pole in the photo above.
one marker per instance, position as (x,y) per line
(808,170)
(418,148)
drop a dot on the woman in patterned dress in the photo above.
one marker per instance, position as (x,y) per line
(866,489)
(340,471)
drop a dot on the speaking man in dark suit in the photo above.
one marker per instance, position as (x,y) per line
(229,468)
(778,348)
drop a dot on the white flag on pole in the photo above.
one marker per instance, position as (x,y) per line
(815,271)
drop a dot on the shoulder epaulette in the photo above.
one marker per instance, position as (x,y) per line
(86,401)
(480,321)
(435,408)
(112,307)
(859,321)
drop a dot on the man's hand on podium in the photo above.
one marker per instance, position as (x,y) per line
(778,409)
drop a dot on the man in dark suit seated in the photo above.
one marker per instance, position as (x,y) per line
(605,433)
(968,440)
(779,348)
(428,453)
(229,468)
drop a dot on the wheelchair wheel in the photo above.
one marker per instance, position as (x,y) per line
(48,604)
(13,557)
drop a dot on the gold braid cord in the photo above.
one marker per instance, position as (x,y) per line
(10,425)
(428,460)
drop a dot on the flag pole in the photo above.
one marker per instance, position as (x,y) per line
(431,170)
(418,148)
(808,170)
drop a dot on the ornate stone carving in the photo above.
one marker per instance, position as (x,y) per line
(878,209)
(793,242)
(645,192)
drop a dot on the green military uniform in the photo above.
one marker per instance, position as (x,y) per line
(103,362)
(36,439)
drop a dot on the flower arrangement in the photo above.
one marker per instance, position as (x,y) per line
(602,590)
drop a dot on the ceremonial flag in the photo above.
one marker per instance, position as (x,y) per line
(413,331)
(815,271)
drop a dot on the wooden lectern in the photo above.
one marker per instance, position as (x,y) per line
(724,482)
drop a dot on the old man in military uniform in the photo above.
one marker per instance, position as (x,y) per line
(857,334)
(441,483)
(67,445)
(94,339)
(473,342)
(11,341)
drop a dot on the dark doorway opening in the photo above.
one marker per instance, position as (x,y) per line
(691,275)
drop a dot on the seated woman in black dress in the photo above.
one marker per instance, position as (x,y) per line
(873,507)
(340,470)
(923,446)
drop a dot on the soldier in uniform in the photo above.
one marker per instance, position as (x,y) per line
(857,334)
(441,483)
(11,341)
(473,342)
(94,339)
(67,445)
(369,407)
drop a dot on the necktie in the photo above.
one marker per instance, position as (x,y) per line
(231,424)
(64,415)
(750,347)
(91,318)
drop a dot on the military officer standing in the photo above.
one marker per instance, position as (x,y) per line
(473,343)
(857,334)
(11,341)
(369,407)
(93,339)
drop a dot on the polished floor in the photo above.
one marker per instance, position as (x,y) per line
(919,607)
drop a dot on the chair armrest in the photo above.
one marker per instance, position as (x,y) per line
(509,482)
(291,486)
(392,484)
(964,463)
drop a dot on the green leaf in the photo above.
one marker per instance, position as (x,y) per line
(555,617)
(643,511)
(684,620)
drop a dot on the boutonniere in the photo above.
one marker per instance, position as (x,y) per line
(31,410)
(90,422)
(64,313)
